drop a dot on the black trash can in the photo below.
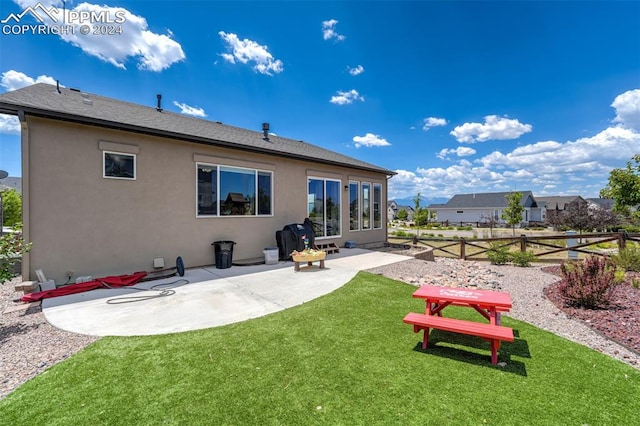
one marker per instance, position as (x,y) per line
(223,253)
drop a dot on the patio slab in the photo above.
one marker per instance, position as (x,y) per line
(207,297)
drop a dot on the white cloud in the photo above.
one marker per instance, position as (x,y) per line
(494,127)
(430,122)
(343,98)
(329,32)
(627,106)
(189,110)
(370,140)
(245,51)
(154,52)
(356,71)
(461,151)
(9,124)
(13,80)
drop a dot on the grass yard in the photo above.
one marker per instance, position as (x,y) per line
(345,358)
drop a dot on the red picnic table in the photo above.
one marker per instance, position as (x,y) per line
(487,302)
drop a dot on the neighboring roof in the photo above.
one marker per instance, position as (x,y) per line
(483,200)
(45,100)
(11,183)
(557,202)
(605,203)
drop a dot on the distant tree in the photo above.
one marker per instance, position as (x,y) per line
(603,219)
(491,221)
(421,217)
(512,214)
(624,186)
(402,214)
(555,218)
(11,207)
(416,204)
(577,216)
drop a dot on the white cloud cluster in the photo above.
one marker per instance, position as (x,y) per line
(461,151)
(329,30)
(13,80)
(369,140)
(627,106)
(246,51)
(349,97)
(494,127)
(579,166)
(9,124)
(189,110)
(155,52)
(430,122)
(356,71)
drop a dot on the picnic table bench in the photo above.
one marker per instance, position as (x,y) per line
(493,333)
(486,302)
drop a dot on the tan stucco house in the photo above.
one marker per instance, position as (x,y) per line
(109,185)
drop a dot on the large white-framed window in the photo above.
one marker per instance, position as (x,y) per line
(377,206)
(323,206)
(233,191)
(354,206)
(118,165)
(366,205)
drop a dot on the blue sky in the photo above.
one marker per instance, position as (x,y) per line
(456,97)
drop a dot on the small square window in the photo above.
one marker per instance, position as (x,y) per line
(119,166)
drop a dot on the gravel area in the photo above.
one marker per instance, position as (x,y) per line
(527,288)
(29,345)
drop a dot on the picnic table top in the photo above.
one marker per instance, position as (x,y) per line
(464,295)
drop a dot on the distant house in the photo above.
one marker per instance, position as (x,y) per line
(484,208)
(110,185)
(11,183)
(394,208)
(556,206)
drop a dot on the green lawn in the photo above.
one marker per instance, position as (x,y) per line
(345,358)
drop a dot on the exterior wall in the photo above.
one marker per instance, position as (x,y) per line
(467,215)
(79,221)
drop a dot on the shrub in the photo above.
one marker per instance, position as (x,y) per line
(12,247)
(522,258)
(498,254)
(402,234)
(628,258)
(589,284)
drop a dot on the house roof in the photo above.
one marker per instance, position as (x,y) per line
(45,100)
(482,200)
(557,202)
(11,183)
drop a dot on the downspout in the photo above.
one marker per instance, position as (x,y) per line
(26,229)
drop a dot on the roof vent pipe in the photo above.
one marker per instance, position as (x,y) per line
(58,86)
(159,107)
(265,131)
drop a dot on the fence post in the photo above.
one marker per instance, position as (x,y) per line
(622,240)
(463,255)
(523,243)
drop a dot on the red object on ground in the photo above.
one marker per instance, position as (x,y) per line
(106,282)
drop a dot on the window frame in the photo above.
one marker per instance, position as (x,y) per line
(358,207)
(324,205)
(127,154)
(256,173)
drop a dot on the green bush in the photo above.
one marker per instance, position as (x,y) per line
(522,258)
(498,254)
(589,283)
(12,248)
(628,258)
(401,234)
